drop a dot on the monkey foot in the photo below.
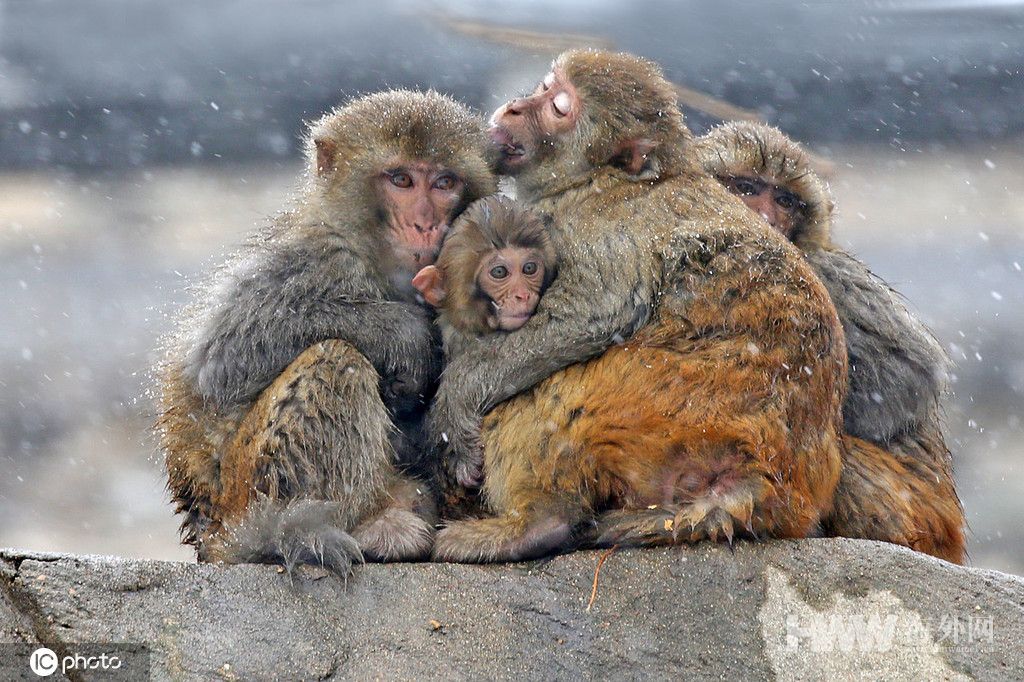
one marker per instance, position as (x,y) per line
(715,517)
(395,535)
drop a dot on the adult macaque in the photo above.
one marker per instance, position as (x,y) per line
(729,386)
(897,481)
(289,394)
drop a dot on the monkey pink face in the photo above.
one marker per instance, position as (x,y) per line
(512,278)
(524,127)
(779,207)
(420,199)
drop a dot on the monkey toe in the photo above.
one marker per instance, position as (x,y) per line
(395,535)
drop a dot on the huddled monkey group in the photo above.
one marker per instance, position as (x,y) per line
(656,342)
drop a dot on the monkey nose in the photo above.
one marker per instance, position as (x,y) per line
(516,106)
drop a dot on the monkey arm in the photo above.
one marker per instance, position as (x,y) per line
(241,360)
(587,308)
(262,318)
(898,370)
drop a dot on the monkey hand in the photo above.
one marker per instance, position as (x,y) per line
(456,432)
(409,359)
(470,472)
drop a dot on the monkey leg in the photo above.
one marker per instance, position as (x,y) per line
(311,461)
(752,489)
(670,465)
(538,498)
(523,534)
(892,496)
(404,529)
(716,499)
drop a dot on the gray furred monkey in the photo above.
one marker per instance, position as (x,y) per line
(291,396)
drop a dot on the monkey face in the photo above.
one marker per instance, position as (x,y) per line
(420,199)
(529,127)
(493,269)
(512,278)
(779,207)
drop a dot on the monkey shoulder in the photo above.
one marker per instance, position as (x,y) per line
(871,307)
(898,370)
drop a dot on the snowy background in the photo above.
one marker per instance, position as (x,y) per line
(139,141)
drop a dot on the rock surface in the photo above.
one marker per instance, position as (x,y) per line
(813,609)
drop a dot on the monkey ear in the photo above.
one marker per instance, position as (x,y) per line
(631,156)
(430,284)
(325,152)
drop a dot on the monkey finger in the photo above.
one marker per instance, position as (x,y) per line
(470,473)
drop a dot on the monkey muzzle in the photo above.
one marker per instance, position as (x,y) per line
(511,150)
(513,314)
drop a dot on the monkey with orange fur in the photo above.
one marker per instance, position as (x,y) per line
(897,481)
(720,362)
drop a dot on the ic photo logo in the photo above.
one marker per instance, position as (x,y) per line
(43,662)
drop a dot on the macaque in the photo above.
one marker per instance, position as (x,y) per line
(684,358)
(292,395)
(897,481)
(495,264)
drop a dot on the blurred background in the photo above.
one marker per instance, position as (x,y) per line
(141,140)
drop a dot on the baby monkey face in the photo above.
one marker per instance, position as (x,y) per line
(512,278)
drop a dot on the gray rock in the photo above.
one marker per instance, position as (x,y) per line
(812,609)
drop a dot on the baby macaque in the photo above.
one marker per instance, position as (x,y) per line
(493,268)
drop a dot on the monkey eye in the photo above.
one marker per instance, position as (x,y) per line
(548,81)
(786,200)
(562,104)
(746,187)
(445,182)
(400,179)
(529,268)
(499,272)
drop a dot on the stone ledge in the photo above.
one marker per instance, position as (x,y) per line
(834,608)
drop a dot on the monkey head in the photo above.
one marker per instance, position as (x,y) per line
(494,266)
(594,109)
(404,162)
(772,175)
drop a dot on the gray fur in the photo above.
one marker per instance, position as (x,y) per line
(312,287)
(898,371)
(298,285)
(297,532)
